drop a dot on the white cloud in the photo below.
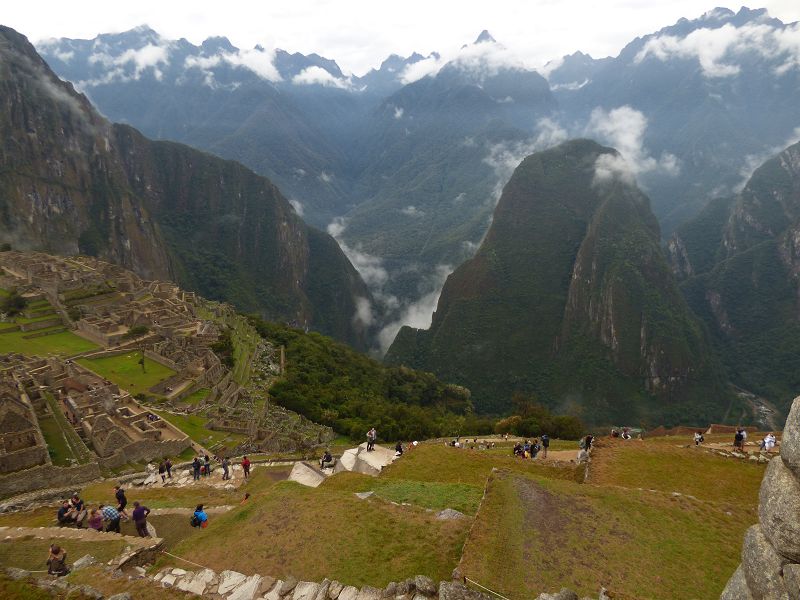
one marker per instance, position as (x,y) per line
(412,211)
(570,87)
(297,206)
(417,314)
(151,57)
(325,177)
(257,60)
(64,55)
(398,112)
(364,315)
(623,128)
(718,50)
(753,161)
(318,76)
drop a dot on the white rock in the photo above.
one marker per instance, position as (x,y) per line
(348,593)
(305,590)
(273,593)
(168,580)
(305,474)
(178,572)
(229,580)
(247,590)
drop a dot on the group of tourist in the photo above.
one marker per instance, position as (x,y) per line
(165,470)
(105,516)
(201,467)
(530,449)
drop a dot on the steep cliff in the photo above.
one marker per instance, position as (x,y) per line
(740,260)
(569,297)
(72,182)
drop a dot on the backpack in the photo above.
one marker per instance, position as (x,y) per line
(194,521)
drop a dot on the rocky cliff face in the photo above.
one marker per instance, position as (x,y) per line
(570,297)
(740,260)
(770,567)
(72,182)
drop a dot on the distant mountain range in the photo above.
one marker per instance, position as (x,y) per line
(409,159)
(71,181)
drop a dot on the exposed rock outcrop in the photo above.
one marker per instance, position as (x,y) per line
(771,551)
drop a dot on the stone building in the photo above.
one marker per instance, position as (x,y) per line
(21,442)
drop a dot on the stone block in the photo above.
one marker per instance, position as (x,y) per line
(448,514)
(347,462)
(779,510)
(348,593)
(305,590)
(228,580)
(791,579)
(121,596)
(790,441)
(425,585)
(168,580)
(287,586)
(564,594)
(762,566)
(267,583)
(334,590)
(305,474)
(83,562)
(247,589)
(458,591)
(274,593)
(737,587)
(322,591)
(369,593)
(390,591)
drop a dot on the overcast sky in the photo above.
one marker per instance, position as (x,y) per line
(358,34)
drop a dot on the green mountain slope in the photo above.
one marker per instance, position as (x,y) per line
(569,297)
(741,276)
(72,182)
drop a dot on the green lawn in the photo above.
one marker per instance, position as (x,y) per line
(194,427)
(31,554)
(127,373)
(64,343)
(196,397)
(60,452)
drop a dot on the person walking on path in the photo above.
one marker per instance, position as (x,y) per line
(246,467)
(140,519)
(206,466)
(196,468)
(545,444)
(57,561)
(168,466)
(111,517)
(162,470)
(738,440)
(225,465)
(122,501)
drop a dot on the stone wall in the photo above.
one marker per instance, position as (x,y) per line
(23,459)
(47,476)
(145,450)
(770,567)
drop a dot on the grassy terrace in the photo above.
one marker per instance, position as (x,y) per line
(127,373)
(58,342)
(31,554)
(194,427)
(196,397)
(67,445)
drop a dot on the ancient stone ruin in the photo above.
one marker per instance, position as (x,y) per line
(770,567)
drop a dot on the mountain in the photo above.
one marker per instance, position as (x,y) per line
(740,264)
(74,182)
(716,91)
(569,297)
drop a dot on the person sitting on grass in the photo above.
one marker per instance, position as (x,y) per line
(111,516)
(326,460)
(95,520)
(57,561)
(199,518)
(398,449)
(78,510)
(64,515)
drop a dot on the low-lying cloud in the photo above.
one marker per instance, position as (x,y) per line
(318,76)
(130,65)
(753,161)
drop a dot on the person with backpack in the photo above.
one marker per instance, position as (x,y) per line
(168,467)
(545,444)
(206,466)
(162,470)
(122,501)
(196,468)
(225,466)
(738,440)
(199,518)
(246,467)
(57,561)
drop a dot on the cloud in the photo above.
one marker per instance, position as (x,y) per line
(624,129)
(570,87)
(364,315)
(150,57)
(412,211)
(297,206)
(753,161)
(418,314)
(325,177)
(259,61)
(398,112)
(369,267)
(719,50)
(318,76)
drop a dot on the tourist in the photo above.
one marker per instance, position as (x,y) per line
(199,518)
(122,501)
(246,467)
(586,443)
(57,561)
(140,519)
(245,499)
(196,468)
(111,516)
(698,438)
(738,440)
(78,510)
(535,448)
(744,436)
(225,466)
(206,466)
(398,449)
(769,442)
(517,449)
(168,466)
(64,517)
(545,444)
(372,435)
(326,460)
(95,520)
(162,470)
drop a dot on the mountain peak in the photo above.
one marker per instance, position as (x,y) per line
(485,36)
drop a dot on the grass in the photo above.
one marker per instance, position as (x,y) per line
(64,343)
(60,452)
(140,589)
(196,397)
(127,373)
(31,554)
(195,427)
(155,497)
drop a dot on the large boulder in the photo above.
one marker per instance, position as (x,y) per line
(305,474)
(763,567)
(779,510)
(347,462)
(790,442)
(737,587)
